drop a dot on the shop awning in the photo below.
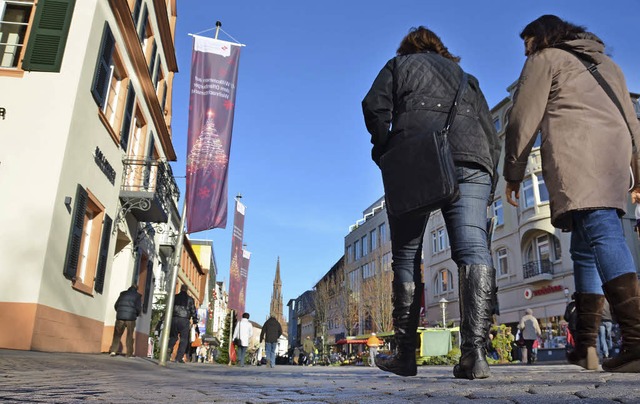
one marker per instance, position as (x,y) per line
(351,341)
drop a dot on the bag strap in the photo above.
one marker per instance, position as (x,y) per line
(454,108)
(592,66)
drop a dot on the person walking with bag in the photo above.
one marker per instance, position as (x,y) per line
(576,96)
(411,100)
(243,333)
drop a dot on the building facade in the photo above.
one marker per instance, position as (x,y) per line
(85,150)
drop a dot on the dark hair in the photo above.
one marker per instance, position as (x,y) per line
(422,39)
(547,31)
(245,315)
(184,288)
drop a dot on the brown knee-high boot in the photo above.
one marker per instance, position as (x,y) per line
(623,293)
(589,310)
(477,288)
(406,310)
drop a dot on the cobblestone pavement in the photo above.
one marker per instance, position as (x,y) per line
(37,377)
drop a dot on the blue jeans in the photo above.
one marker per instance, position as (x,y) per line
(242,351)
(466,221)
(270,347)
(605,343)
(598,249)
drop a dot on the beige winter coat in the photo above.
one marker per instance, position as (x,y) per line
(586,146)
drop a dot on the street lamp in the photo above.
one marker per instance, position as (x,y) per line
(443,305)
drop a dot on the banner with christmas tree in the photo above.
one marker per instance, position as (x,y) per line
(214,74)
(236,282)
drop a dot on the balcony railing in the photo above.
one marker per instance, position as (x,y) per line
(541,270)
(148,187)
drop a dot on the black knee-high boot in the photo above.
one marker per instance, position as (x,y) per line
(406,310)
(476,287)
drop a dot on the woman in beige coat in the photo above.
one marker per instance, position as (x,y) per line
(586,152)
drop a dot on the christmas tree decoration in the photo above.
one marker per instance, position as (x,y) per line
(208,152)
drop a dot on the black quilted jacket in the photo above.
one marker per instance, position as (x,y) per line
(185,307)
(129,305)
(413,94)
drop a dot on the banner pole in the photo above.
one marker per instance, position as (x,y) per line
(231,317)
(171,293)
(218,25)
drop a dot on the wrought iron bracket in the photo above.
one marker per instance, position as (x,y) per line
(143,204)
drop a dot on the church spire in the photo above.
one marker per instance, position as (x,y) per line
(276,298)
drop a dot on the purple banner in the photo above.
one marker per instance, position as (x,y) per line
(214,74)
(236,283)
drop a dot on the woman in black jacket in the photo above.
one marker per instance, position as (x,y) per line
(412,96)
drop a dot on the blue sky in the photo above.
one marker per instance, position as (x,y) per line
(300,154)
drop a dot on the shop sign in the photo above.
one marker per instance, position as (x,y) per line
(104,165)
(528,293)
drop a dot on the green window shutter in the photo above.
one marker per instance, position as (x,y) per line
(147,286)
(75,234)
(104,254)
(48,36)
(127,118)
(100,86)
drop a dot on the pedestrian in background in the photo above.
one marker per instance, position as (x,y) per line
(529,332)
(410,98)
(128,307)
(271,331)
(572,93)
(373,342)
(184,314)
(308,347)
(244,332)
(605,342)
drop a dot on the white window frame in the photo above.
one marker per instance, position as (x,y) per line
(498,211)
(434,243)
(502,255)
(17,46)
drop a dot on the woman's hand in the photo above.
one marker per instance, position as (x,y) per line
(514,187)
(635,195)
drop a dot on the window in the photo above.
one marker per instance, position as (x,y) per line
(443,282)
(357,249)
(527,192)
(349,255)
(365,246)
(386,262)
(497,124)
(503,266)
(434,242)
(443,240)
(543,194)
(498,212)
(14,23)
(545,247)
(109,87)
(368,271)
(87,250)
(373,237)
(382,229)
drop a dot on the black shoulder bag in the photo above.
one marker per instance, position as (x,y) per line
(592,66)
(419,174)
